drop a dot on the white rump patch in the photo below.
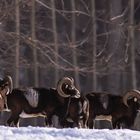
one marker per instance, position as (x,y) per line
(32,97)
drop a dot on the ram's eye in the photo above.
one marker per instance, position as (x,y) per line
(66,86)
(135,99)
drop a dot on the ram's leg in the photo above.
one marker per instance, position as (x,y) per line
(9,121)
(83,120)
(16,122)
(13,120)
(90,123)
(48,121)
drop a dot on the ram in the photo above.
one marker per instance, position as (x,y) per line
(122,109)
(127,110)
(41,101)
(77,113)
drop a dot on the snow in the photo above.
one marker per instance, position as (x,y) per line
(44,133)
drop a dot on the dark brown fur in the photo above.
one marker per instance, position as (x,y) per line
(50,103)
(115,107)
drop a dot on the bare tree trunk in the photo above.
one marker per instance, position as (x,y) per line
(132,44)
(93,14)
(55,39)
(33,35)
(73,42)
(17,44)
(115,48)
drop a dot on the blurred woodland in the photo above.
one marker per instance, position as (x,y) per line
(94,41)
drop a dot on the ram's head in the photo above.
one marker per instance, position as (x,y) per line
(66,88)
(133,94)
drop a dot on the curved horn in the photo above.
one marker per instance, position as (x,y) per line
(65,80)
(8,82)
(131,94)
(72,80)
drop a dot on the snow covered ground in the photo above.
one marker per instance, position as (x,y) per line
(43,133)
